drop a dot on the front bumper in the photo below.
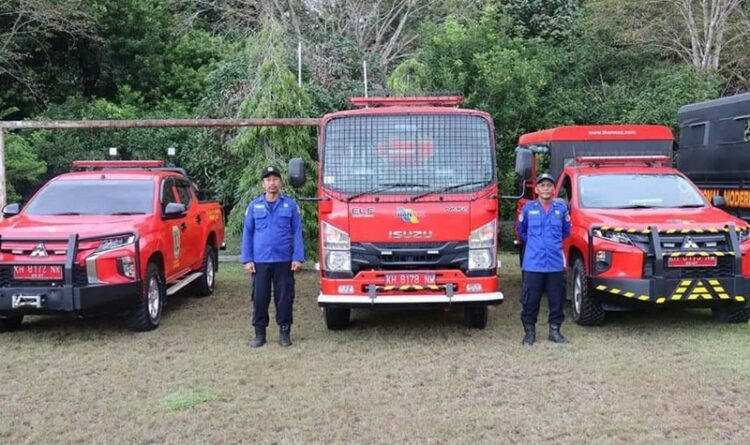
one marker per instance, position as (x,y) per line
(92,299)
(687,292)
(487,298)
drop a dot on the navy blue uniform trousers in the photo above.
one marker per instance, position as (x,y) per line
(534,285)
(281,277)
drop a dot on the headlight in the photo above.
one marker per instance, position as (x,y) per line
(480,259)
(483,236)
(338,261)
(616,237)
(115,243)
(334,238)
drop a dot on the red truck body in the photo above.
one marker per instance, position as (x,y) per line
(642,234)
(407,208)
(118,237)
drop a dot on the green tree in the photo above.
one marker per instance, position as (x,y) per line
(271,91)
(22,167)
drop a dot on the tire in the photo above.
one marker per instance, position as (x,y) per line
(337,319)
(475,317)
(731,314)
(586,310)
(10,323)
(147,315)
(204,286)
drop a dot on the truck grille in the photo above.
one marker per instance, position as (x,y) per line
(409,256)
(80,278)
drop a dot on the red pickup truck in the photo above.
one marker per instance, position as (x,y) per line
(643,236)
(115,236)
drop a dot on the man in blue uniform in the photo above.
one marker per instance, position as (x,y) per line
(543,225)
(272,250)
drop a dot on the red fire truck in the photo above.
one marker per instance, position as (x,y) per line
(642,234)
(115,237)
(407,201)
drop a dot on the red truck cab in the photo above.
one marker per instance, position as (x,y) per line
(118,236)
(643,235)
(407,205)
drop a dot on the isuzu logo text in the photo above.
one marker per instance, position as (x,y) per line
(410,234)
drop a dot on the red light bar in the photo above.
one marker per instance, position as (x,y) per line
(117,164)
(441,101)
(623,160)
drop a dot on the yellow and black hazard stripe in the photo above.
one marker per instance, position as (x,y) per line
(410,288)
(687,290)
(626,294)
(682,231)
(703,254)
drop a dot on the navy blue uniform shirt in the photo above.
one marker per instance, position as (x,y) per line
(543,233)
(272,232)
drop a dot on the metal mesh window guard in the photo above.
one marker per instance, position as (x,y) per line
(447,154)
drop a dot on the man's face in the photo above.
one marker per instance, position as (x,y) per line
(272,184)
(545,189)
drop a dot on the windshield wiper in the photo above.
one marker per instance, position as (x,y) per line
(383,187)
(445,189)
(635,206)
(127,213)
(65,214)
(690,206)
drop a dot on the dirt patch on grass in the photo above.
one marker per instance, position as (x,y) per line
(417,377)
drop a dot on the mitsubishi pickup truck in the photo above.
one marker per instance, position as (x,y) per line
(111,237)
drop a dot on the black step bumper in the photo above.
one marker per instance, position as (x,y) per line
(93,299)
(686,292)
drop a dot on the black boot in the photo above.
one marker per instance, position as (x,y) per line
(529,336)
(555,335)
(284,339)
(260,337)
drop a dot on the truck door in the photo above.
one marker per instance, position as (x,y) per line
(192,235)
(565,192)
(172,231)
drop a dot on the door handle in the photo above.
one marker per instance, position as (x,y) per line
(198,219)
(183,227)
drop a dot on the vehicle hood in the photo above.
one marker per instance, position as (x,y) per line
(705,217)
(48,227)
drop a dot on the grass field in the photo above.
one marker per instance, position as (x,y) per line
(417,377)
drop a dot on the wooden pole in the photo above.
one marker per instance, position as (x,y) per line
(161,123)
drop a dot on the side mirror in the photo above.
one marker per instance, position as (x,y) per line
(297,176)
(524,161)
(11,210)
(718,201)
(174,210)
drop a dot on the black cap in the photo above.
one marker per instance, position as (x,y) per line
(270,171)
(545,177)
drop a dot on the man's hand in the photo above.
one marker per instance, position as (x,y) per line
(250,267)
(296,265)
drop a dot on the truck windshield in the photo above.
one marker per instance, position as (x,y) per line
(94,197)
(634,191)
(407,154)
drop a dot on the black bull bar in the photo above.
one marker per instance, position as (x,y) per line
(661,289)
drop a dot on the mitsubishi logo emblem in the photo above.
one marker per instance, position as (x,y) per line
(39,250)
(689,243)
